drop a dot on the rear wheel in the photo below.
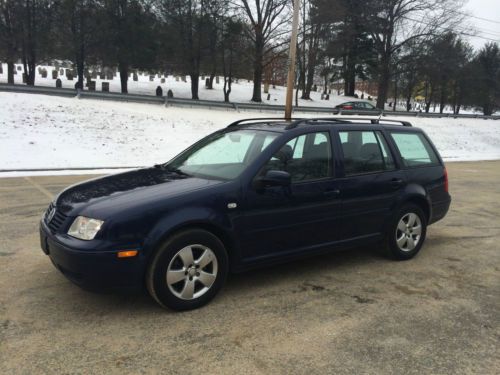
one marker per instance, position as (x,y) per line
(187,270)
(406,234)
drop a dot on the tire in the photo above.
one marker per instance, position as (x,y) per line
(187,270)
(406,233)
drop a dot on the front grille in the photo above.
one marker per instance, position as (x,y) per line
(57,220)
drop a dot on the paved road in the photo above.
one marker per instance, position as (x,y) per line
(345,313)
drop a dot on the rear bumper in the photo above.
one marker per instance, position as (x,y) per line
(92,269)
(439,210)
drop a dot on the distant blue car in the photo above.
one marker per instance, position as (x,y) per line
(260,191)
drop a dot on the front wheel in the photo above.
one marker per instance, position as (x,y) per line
(406,234)
(188,270)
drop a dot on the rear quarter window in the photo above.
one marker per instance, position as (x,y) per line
(414,149)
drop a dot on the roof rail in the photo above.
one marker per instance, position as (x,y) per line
(344,120)
(297,122)
(261,119)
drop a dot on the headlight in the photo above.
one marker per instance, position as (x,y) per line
(85,228)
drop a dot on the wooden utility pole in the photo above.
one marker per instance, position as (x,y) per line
(291,60)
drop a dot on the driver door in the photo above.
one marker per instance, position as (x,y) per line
(301,217)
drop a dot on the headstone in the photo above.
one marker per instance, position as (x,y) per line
(207,83)
(25,78)
(105,86)
(93,74)
(369,97)
(159,91)
(163,80)
(91,85)
(356,96)
(58,83)
(135,77)
(151,78)
(217,80)
(268,96)
(44,73)
(170,94)
(54,74)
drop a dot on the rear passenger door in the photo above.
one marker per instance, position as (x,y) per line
(370,183)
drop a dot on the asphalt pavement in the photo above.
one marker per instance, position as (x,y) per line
(345,313)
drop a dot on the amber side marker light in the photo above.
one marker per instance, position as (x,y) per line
(127,253)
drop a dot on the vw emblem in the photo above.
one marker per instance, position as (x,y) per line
(50,214)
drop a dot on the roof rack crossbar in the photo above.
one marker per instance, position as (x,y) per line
(261,119)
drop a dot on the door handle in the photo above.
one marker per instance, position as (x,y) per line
(331,193)
(396,182)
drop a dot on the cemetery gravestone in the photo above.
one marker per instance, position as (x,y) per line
(170,94)
(58,83)
(159,91)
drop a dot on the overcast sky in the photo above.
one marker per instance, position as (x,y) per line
(489,9)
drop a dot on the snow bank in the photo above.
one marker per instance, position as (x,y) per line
(44,132)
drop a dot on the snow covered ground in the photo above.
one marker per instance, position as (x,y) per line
(46,132)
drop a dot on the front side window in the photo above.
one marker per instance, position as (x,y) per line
(365,152)
(307,157)
(415,150)
(223,155)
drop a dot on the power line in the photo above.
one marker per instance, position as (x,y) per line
(460,32)
(476,17)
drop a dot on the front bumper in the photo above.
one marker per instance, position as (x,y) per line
(92,269)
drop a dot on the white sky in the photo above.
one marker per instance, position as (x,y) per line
(488,9)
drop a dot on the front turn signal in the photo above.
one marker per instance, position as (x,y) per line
(127,253)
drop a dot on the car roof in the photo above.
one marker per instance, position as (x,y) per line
(280,125)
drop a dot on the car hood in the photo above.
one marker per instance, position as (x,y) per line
(126,189)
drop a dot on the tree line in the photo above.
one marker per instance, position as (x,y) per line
(409,48)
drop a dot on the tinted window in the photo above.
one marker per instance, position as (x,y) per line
(306,157)
(365,152)
(415,150)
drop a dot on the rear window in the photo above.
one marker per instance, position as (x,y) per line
(415,150)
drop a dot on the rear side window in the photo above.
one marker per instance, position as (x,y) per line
(365,152)
(414,149)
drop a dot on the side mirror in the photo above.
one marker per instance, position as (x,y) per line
(274,178)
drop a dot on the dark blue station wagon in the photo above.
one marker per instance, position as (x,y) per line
(260,191)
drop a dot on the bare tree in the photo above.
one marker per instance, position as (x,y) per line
(394,23)
(266,19)
(9,30)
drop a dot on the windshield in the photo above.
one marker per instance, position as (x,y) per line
(223,155)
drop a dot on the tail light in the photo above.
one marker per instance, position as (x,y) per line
(445,180)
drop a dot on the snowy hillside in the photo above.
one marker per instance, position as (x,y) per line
(39,131)
(241,90)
